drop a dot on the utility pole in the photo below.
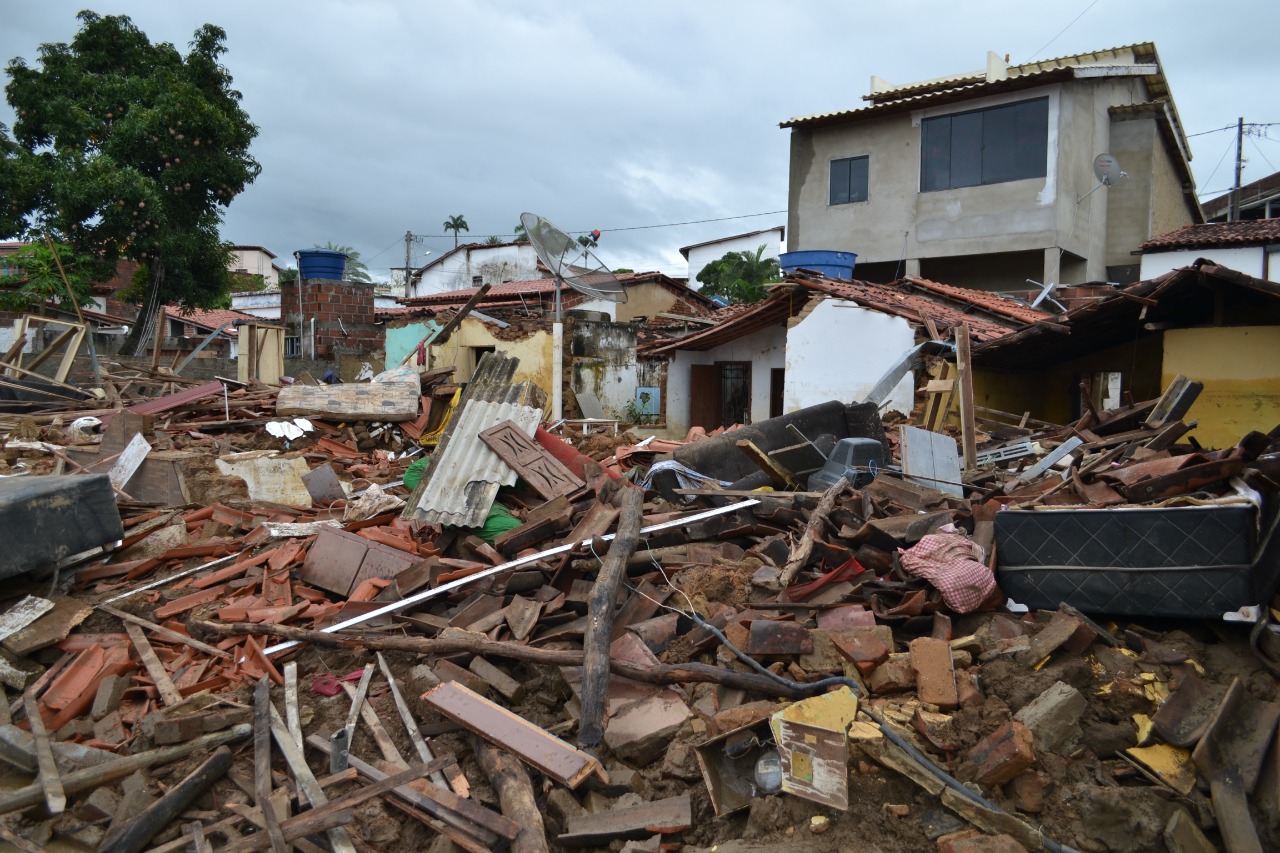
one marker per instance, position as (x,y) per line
(408,240)
(1233,214)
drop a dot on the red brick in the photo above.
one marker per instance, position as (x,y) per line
(1027,791)
(979,844)
(893,676)
(1002,755)
(935,675)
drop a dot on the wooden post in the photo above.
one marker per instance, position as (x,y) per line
(964,366)
(262,764)
(55,797)
(600,613)
(135,834)
(515,793)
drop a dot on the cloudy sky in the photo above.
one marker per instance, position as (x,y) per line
(656,122)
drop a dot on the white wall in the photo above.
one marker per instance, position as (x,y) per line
(255,262)
(700,256)
(494,264)
(1250,260)
(765,349)
(839,350)
(264,305)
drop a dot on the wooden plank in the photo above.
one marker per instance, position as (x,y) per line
(780,477)
(531,744)
(172,401)
(167,633)
(406,716)
(168,692)
(291,701)
(130,460)
(545,474)
(55,796)
(380,736)
(964,378)
(262,764)
(660,816)
(22,614)
(365,401)
(338,837)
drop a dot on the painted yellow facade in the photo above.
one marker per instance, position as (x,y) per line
(472,338)
(1240,369)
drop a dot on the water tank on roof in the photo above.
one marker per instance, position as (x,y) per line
(320,263)
(829,263)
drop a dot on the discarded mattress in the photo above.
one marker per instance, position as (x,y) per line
(1173,561)
(47,519)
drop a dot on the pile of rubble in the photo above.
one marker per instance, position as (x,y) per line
(401,614)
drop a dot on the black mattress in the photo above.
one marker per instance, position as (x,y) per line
(1171,561)
(47,519)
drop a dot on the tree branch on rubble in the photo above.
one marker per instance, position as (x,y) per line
(803,548)
(660,674)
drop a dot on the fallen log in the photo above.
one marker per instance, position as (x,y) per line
(803,548)
(660,674)
(601,608)
(133,835)
(515,793)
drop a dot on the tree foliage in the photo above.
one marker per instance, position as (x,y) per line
(456,223)
(34,277)
(354,268)
(127,149)
(740,276)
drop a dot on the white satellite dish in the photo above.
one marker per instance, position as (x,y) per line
(571,262)
(1106,169)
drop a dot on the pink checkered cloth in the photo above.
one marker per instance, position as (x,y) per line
(955,565)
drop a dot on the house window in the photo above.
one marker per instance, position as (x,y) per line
(292,346)
(848,180)
(991,146)
(477,280)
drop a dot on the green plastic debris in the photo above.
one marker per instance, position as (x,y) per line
(499,521)
(413,474)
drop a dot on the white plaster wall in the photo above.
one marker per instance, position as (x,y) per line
(1248,260)
(494,264)
(700,256)
(765,349)
(839,351)
(264,305)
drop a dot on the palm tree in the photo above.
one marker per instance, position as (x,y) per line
(455,224)
(493,240)
(740,276)
(521,235)
(354,269)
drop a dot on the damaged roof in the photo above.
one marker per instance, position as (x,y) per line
(1253,232)
(513,291)
(210,319)
(1202,294)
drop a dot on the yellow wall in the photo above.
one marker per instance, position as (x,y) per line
(1051,394)
(1240,369)
(533,351)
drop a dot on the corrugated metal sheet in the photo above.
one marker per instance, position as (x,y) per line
(465,475)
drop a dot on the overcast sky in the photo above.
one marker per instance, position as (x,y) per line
(381,116)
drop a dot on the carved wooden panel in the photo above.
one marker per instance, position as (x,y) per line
(542,471)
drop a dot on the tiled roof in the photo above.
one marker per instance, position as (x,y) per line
(212,319)
(1253,232)
(986,300)
(510,291)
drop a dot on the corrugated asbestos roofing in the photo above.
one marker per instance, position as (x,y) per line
(1252,232)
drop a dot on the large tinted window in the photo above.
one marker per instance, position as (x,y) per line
(990,146)
(848,180)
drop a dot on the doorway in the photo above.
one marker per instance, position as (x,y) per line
(720,394)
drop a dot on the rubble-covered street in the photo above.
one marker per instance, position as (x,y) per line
(248,617)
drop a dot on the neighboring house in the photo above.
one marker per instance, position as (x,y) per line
(112,312)
(474,264)
(983,179)
(255,260)
(813,340)
(1251,247)
(1258,200)
(700,254)
(1206,322)
(186,328)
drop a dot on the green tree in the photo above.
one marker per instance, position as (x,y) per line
(493,240)
(35,277)
(127,149)
(740,276)
(521,236)
(455,224)
(354,268)
(289,275)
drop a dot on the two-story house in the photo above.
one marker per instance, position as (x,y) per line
(984,179)
(474,264)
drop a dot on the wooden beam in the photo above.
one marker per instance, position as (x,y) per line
(964,367)
(338,837)
(167,633)
(262,764)
(135,834)
(168,692)
(55,797)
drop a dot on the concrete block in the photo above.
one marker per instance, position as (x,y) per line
(1053,718)
(110,730)
(562,805)
(935,675)
(639,732)
(680,762)
(1002,755)
(895,675)
(110,691)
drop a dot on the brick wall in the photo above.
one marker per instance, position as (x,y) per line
(343,313)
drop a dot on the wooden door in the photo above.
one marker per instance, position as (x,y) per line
(704,396)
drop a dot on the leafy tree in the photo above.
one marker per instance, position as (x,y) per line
(621,270)
(740,276)
(354,269)
(289,275)
(455,224)
(521,235)
(493,240)
(35,277)
(127,149)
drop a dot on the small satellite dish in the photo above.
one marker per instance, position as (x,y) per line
(570,261)
(1106,169)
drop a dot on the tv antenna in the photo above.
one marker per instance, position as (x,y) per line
(1106,169)
(571,262)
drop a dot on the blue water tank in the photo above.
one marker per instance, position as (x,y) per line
(320,263)
(831,264)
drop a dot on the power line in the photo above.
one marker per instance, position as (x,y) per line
(1063,30)
(635,227)
(1230,145)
